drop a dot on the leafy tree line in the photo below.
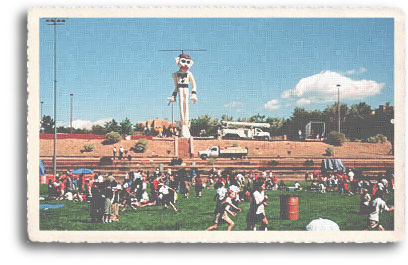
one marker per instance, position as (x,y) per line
(125,127)
(357,123)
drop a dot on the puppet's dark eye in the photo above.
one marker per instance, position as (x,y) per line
(183,61)
(188,62)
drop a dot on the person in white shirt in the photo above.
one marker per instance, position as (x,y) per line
(351,175)
(167,196)
(222,214)
(256,211)
(377,206)
(298,186)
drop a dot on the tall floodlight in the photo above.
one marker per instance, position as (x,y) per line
(55,22)
(338,107)
(70,120)
(41,116)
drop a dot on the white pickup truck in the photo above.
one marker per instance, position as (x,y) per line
(219,152)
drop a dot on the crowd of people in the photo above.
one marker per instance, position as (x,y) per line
(106,195)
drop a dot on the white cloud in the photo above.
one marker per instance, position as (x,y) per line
(355,71)
(81,124)
(322,87)
(84,124)
(272,105)
(233,104)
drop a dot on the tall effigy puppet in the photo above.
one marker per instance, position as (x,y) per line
(182,78)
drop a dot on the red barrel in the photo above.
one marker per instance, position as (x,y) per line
(289,207)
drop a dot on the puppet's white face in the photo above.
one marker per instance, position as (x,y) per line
(184,63)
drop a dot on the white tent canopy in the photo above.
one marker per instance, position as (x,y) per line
(322,225)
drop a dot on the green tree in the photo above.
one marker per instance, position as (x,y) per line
(112,126)
(48,124)
(126,127)
(98,129)
(225,117)
(330,116)
(257,118)
(63,129)
(205,122)
(359,111)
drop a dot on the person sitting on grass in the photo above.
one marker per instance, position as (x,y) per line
(282,185)
(126,197)
(298,186)
(221,213)
(78,197)
(322,187)
(52,191)
(313,186)
(146,201)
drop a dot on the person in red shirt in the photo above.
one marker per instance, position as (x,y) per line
(61,190)
(155,184)
(347,189)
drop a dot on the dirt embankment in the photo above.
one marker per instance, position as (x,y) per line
(300,149)
(165,148)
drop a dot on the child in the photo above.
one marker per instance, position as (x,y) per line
(167,196)
(256,211)
(365,202)
(222,212)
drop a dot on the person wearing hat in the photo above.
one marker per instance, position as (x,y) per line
(182,78)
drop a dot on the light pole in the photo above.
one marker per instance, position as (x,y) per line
(70,123)
(41,115)
(54,22)
(338,107)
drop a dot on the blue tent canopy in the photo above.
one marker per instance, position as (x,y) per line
(332,164)
(42,168)
(82,171)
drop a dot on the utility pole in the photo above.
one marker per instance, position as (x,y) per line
(55,22)
(338,107)
(41,116)
(70,120)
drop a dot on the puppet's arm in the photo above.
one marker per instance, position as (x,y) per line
(193,96)
(174,95)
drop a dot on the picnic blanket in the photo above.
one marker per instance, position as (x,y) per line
(51,206)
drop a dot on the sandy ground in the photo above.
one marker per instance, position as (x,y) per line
(75,147)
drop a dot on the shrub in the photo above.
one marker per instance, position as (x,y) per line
(336,138)
(141,146)
(379,138)
(89,147)
(309,162)
(273,163)
(105,160)
(211,161)
(113,137)
(330,151)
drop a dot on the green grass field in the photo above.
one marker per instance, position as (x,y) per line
(197,214)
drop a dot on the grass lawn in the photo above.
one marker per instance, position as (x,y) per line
(197,214)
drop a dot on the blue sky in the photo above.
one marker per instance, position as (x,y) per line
(251,65)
